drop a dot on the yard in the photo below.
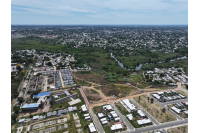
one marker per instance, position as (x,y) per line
(181,129)
(154,109)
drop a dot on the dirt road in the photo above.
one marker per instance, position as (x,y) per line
(110,100)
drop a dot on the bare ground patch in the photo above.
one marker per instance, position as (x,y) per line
(118,91)
(181,129)
(92,95)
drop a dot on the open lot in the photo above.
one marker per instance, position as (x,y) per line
(91,95)
(154,109)
(181,129)
(117,90)
(92,77)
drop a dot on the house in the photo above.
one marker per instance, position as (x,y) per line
(107,107)
(143,122)
(83,108)
(113,114)
(176,110)
(35,117)
(140,113)
(117,119)
(130,117)
(129,105)
(21,121)
(92,128)
(104,121)
(116,127)
(100,115)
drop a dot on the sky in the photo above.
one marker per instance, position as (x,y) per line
(99,12)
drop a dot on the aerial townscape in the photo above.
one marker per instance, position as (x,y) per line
(99,79)
(99,66)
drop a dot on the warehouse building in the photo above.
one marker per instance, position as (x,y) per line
(34,106)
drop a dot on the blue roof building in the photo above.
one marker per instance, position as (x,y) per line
(30,106)
(42,94)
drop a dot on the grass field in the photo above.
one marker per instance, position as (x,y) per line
(117,90)
(92,95)
(82,82)
(154,109)
(181,129)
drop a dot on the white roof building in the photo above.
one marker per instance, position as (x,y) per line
(116,127)
(130,117)
(129,105)
(140,113)
(100,115)
(83,108)
(92,128)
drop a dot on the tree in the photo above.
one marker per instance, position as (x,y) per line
(18,67)
(20,99)
(16,109)
(163,110)
(139,98)
(49,64)
(35,99)
(14,117)
(152,100)
(148,99)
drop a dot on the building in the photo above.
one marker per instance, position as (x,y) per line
(92,128)
(143,122)
(129,105)
(83,108)
(140,113)
(34,106)
(116,127)
(21,121)
(47,94)
(130,117)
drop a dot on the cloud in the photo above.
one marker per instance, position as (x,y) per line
(94,10)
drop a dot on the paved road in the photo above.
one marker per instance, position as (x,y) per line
(145,112)
(173,102)
(128,125)
(45,84)
(61,79)
(162,126)
(96,122)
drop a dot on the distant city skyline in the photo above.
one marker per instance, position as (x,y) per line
(99,12)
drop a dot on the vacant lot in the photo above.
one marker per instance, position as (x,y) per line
(91,95)
(117,90)
(154,109)
(183,93)
(92,77)
(182,129)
